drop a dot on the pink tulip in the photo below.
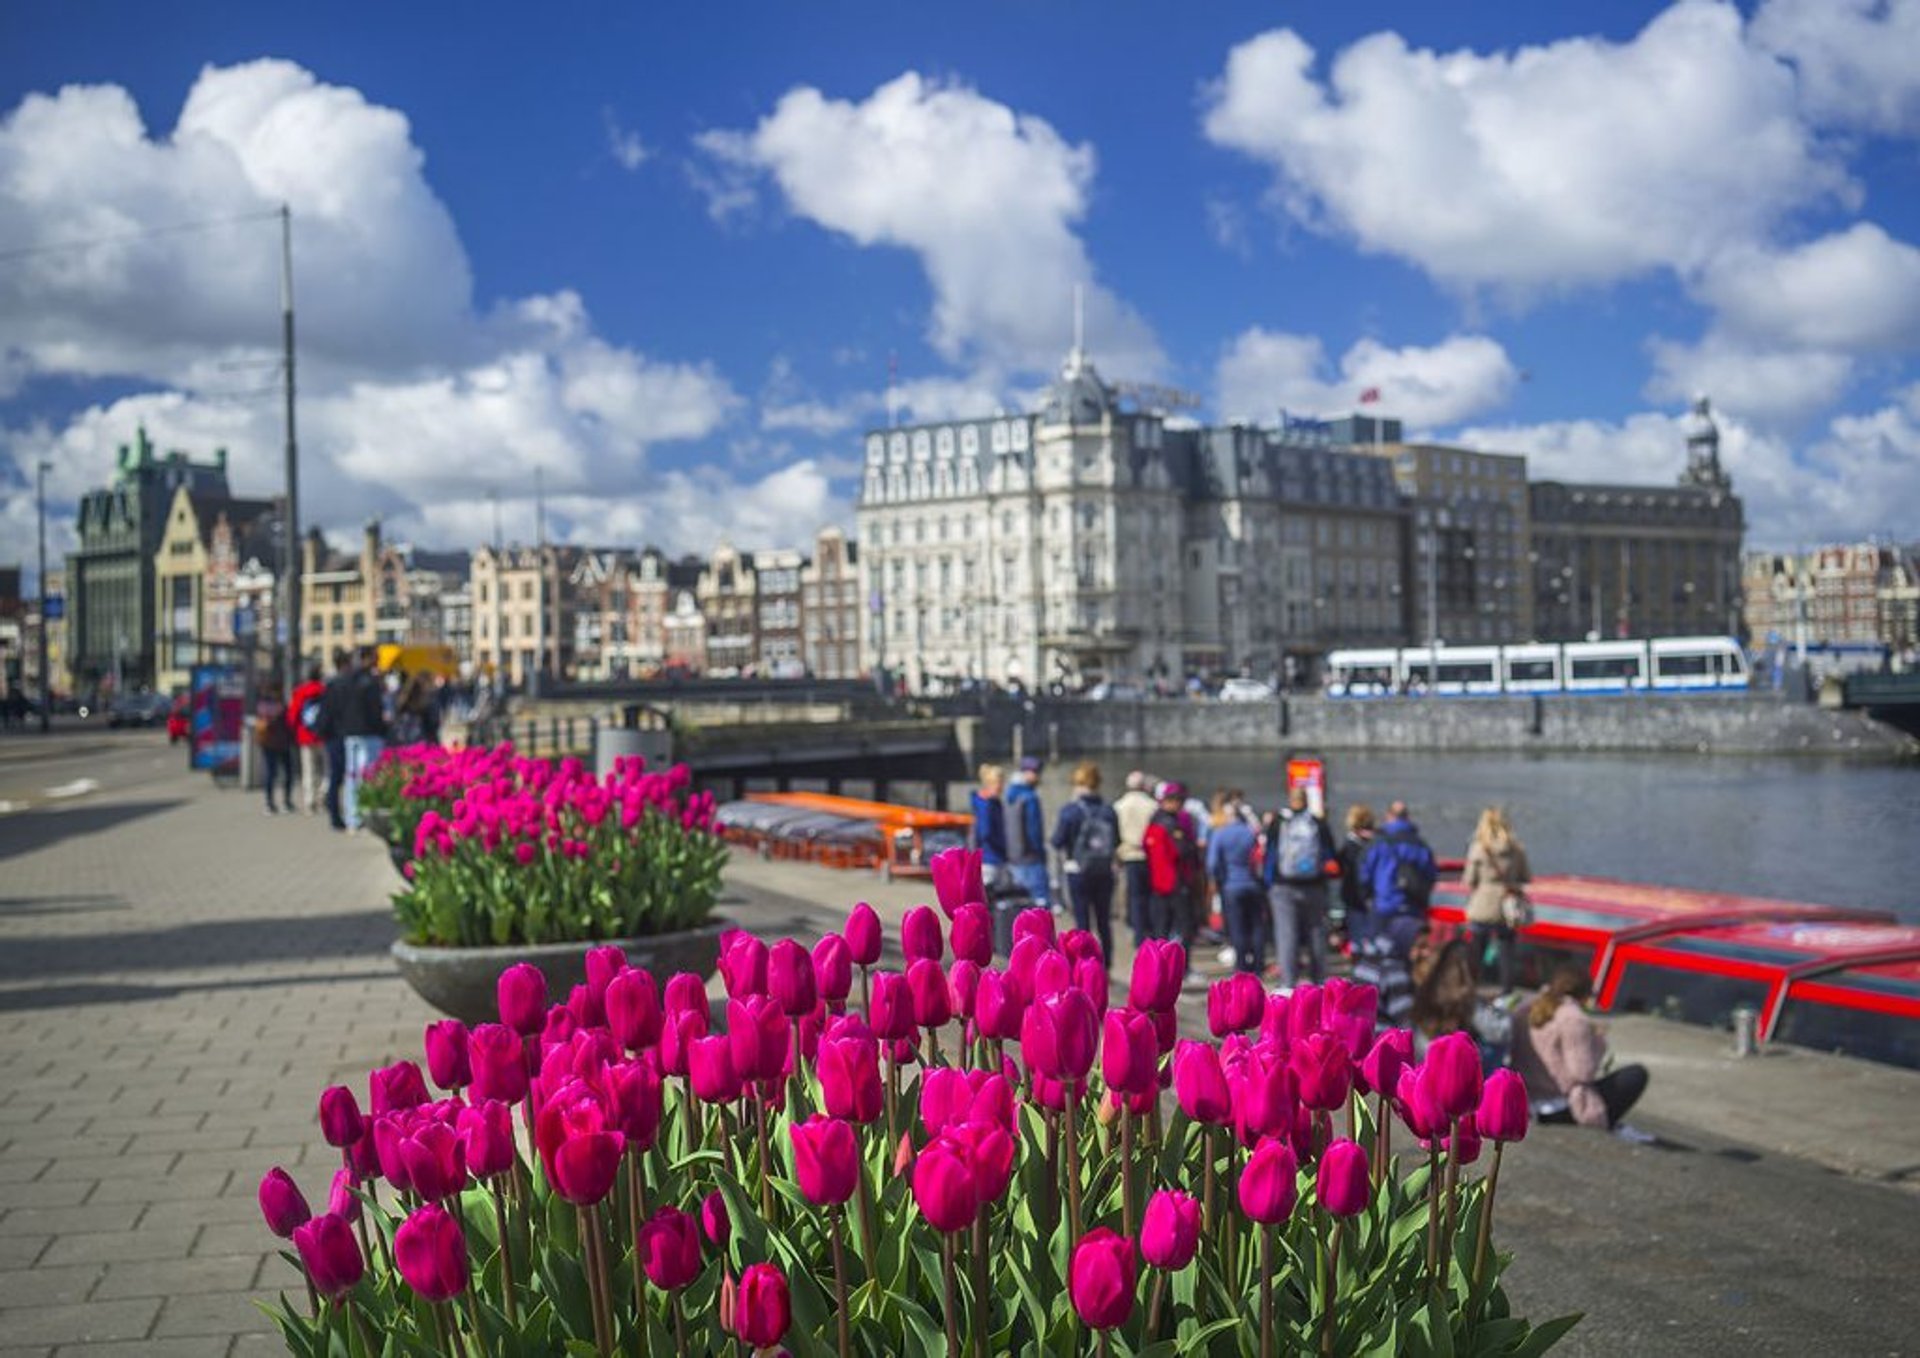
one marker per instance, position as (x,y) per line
(927,987)
(714,1222)
(833,969)
(678,1031)
(790,979)
(1269,1183)
(1090,977)
(1170,1230)
(446,1043)
(1264,1097)
(602,965)
(436,1166)
(669,1245)
(486,1136)
(943,1186)
(1424,1117)
(863,935)
(330,1254)
(522,992)
(998,1006)
(849,1070)
(430,1253)
(1159,968)
(891,1012)
(826,1159)
(685,993)
(710,1070)
(1058,1036)
(945,1098)
(1463,1143)
(1034,923)
(972,934)
(633,1092)
(963,987)
(1323,1071)
(1392,1052)
(583,1167)
(341,1198)
(743,964)
(1101,1278)
(762,1307)
(340,1120)
(1504,1111)
(497,1062)
(1452,1074)
(1024,960)
(1349,1012)
(920,934)
(761,1037)
(1080,945)
(1235,1004)
(1052,972)
(1200,1085)
(632,1002)
(1129,1052)
(282,1203)
(399,1085)
(1344,1183)
(1303,1011)
(957,879)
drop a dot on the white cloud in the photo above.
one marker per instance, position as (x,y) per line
(1262,371)
(1858,60)
(1576,163)
(1764,385)
(1856,290)
(629,152)
(988,199)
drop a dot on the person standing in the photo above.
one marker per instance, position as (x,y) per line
(1027,833)
(1174,867)
(308,708)
(333,709)
(1399,872)
(1298,851)
(1230,863)
(990,826)
(1134,809)
(1350,914)
(273,736)
(364,724)
(1087,836)
(1496,880)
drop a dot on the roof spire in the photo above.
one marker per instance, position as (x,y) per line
(1077,358)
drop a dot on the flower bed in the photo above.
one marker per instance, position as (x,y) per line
(957,1158)
(507,849)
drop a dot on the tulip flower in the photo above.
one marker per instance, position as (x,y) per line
(496,1059)
(946,1097)
(715,1224)
(957,879)
(1058,1035)
(522,994)
(1159,968)
(446,1043)
(1452,1075)
(1052,971)
(397,1086)
(1129,1052)
(1024,960)
(1080,945)
(1391,1053)
(711,1071)
(436,1165)
(944,1187)
(582,1168)
(920,934)
(743,964)
(1264,1097)
(762,1308)
(602,965)
(1100,1279)
(863,935)
(761,1037)
(1303,1011)
(685,993)
(891,1012)
(790,979)
(1323,1071)
(677,1033)
(1170,1230)
(849,1070)
(430,1252)
(998,1006)
(833,969)
(826,1159)
(342,1201)
(1268,1184)
(927,989)
(330,1254)
(1235,1004)
(633,1093)
(282,1203)
(963,988)
(340,1120)
(971,934)
(1200,1085)
(1349,1012)
(1504,1111)
(669,1246)
(1424,1117)
(634,1015)
(486,1138)
(1034,923)
(1344,1183)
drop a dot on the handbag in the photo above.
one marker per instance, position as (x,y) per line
(1515,909)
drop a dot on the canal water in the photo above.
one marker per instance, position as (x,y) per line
(1839,832)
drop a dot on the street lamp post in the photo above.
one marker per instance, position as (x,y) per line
(46,693)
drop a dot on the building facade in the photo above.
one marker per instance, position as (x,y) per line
(830,608)
(778,613)
(727,597)
(1468,576)
(524,611)
(194,622)
(1863,593)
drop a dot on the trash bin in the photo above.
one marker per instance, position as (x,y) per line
(1746,1031)
(615,742)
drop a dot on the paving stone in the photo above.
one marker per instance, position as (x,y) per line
(82,1321)
(212,1313)
(148,1348)
(168,1188)
(16,1169)
(178,1277)
(46,1193)
(108,1216)
(21,1251)
(47,1286)
(110,1246)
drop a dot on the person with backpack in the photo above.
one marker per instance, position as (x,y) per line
(1297,853)
(273,736)
(1232,853)
(363,721)
(309,739)
(1087,837)
(1496,879)
(1349,913)
(1399,873)
(1174,867)
(1134,809)
(326,725)
(1027,834)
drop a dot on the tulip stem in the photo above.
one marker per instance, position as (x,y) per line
(1053,1171)
(679,1324)
(1266,1291)
(359,1322)
(1232,1234)
(1209,1150)
(1453,1193)
(1105,1350)
(1382,1138)
(982,1303)
(1433,1212)
(506,1251)
(799,1094)
(1153,1307)
(687,1116)
(932,1046)
(636,1210)
(1073,1160)
(866,1002)
(836,1226)
(1486,1221)
(1126,1172)
(865,1192)
(1332,1283)
(313,1294)
(597,1280)
(953,1308)
(760,1142)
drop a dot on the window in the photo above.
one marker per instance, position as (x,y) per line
(943,442)
(970,439)
(922,445)
(998,436)
(1019,432)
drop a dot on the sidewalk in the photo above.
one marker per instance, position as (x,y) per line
(180,975)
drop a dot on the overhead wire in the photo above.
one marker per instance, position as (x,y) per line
(143,233)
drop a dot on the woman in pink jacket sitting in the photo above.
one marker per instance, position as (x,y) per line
(1560,1053)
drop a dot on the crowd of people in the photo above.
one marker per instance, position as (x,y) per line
(1290,898)
(331,729)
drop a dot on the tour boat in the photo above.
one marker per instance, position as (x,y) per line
(843,832)
(1821,976)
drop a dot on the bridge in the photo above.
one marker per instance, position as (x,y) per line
(1891,698)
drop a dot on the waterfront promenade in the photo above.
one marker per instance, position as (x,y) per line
(180,975)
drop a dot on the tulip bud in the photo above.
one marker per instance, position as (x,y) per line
(997,1006)
(710,1070)
(1080,945)
(1348,1012)
(632,1002)
(1344,1184)
(1303,1011)
(1200,1085)
(957,879)
(633,1091)
(963,988)
(1415,1103)
(1159,968)
(602,965)
(436,1166)
(863,935)
(920,934)
(1101,1278)
(446,1043)
(972,934)
(430,1253)
(1323,1071)
(1034,923)
(341,1198)
(1058,1036)
(1504,1110)
(522,993)
(669,1245)
(743,964)
(282,1203)
(330,1254)
(826,1159)
(1269,1183)
(340,1120)
(762,1308)
(790,979)
(849,1070)
(760,1035)
(1452,1074)
(685,992)
(497,1061)
(714,1221)
(1391,1053)
(944,1187)
(927,988)
(1463,1143)
(833,969)
(1170,1230)
(397,1086)
(1024,960)
(1235,1004)
(891,1010)
(486,1136)
(1129,1052)
(678,1029)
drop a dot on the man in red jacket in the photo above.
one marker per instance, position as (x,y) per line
(303,709)
(1173,867)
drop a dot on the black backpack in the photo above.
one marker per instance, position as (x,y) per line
(1095,842)
(1413,881)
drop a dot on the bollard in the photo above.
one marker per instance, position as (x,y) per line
(1746,1030)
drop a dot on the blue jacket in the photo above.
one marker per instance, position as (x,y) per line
(1066,828)
(1397,842)
(990,830)
(1024,802)
(1230,857)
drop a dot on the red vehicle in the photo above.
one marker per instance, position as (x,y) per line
(177,719)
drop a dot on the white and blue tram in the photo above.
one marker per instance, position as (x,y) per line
(1655,665)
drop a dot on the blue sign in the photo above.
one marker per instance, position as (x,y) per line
(54,607)
(244,622)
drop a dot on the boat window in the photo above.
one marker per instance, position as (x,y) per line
(1832,1027)
(1606,667)
(1534,670)
(1690,997)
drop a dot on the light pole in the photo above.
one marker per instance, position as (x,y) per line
(291,529)
(499,588)
(40,495)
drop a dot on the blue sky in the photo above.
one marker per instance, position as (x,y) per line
(668,254)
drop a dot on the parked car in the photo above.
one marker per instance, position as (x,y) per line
(139,709)
(179,726)
(1246,691)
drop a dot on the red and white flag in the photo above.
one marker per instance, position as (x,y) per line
(1369,396)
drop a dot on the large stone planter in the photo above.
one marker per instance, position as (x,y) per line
(463,981)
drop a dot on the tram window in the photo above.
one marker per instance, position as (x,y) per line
(1675,665)
(1466,674)
(1535,670)
(1607,667)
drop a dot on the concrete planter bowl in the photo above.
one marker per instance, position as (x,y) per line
(463,982)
